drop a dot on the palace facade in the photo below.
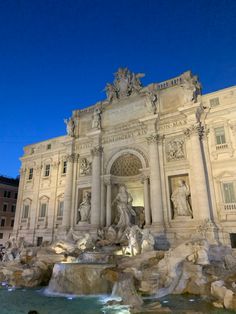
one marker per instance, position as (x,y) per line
(172,148)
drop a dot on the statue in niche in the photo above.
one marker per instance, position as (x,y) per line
(84,209)
(96,123)
(180,199)
(175,150)
(192,87)
(70,127)
(123,202)
(85,167)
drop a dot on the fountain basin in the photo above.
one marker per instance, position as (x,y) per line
(80,279)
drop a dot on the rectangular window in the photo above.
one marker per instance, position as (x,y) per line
(31,171)
(42,211)
(233,240)
(229,193)
(64,167)
(5,194)
(214,102)
(60,209)
(39,241)
(25,213)
(13,208)
(49,146)
(12,223)
(1,235)
(15,195)
(8,194)
(47,171)
(3,221)
(4,208)
(220,135)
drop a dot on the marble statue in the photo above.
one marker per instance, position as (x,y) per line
(70,127)
(125,83)
(85,208)
(180,199)
(96,122)
(191,86)
(151,102)
(134,236)
(85,167)
(148,241)
(123,202)
(85,242)
(111,92)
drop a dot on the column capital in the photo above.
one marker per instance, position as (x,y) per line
(72,157)
(196,129)
(96,151)
(144,177)
(153,138)
(107,181)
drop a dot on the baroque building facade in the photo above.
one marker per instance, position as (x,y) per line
(8,199)
(169,146)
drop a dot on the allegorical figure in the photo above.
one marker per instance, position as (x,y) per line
(123,202)
(96,122)
(70,127)
(84,209)
(180,199)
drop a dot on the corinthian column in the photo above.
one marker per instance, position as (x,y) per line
(68,192)
(194,134)
(108,202)
(96,186)
(146,201)
(155,183)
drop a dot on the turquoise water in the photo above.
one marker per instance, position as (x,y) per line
(20,301)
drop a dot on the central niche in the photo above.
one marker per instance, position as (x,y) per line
(126,165)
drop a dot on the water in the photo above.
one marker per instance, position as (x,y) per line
(20,301)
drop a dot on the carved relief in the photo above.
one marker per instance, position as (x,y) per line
(175,149)
(85,167)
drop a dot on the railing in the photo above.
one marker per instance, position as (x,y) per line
(169,83)
(229,206)
(221,146)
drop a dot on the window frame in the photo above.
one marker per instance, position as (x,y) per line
(233,185)
(220,136)
(47,170)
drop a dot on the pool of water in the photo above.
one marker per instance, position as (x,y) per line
(20,301)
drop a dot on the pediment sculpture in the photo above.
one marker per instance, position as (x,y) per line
(125,84)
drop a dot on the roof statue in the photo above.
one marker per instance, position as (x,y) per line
(124,84)
(191,86)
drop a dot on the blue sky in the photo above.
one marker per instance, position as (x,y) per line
(57,56)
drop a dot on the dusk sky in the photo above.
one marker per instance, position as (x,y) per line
(57,56)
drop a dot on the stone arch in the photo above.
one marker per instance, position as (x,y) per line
(138,157)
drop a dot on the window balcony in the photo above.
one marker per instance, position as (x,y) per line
(230,207)
(222,146)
